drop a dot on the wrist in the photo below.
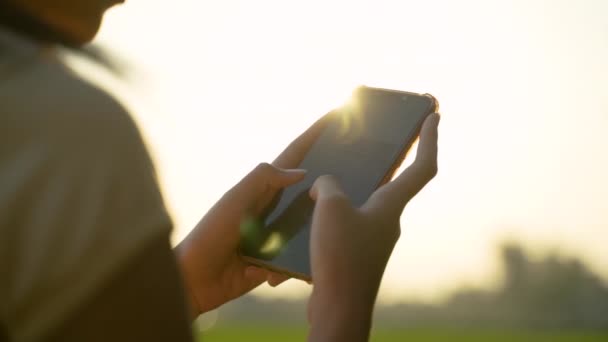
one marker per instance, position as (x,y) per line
(340,315)
(347,289)
(192,301)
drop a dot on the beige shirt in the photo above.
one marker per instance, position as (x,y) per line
(78,192)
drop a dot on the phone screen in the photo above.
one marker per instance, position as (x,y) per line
(359,146)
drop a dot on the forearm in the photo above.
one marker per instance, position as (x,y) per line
(340,317)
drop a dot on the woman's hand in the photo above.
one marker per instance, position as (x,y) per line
(213,271)
(350,246)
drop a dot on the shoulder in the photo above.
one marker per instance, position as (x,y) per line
(58,131)
(46,93)
(47,106)
(78,195)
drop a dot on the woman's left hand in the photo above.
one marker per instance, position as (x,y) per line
(213,271)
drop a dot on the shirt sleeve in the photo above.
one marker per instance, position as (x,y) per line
(79,198)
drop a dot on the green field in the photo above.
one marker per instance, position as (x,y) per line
(270,334)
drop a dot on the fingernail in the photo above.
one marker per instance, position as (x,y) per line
(295,171)
(438,117)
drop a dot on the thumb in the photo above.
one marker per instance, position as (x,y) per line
(285,177)
(326,187)
(266,175)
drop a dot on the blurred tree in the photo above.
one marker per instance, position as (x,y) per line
(555,292)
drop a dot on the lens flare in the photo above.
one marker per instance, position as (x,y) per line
(350,120)
(250,230)
(273,244)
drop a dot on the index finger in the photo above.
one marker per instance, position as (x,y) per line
(397,193)
(293,155)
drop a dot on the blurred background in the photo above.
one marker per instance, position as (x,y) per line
(512,235)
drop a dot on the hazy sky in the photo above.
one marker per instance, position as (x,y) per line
(219,86)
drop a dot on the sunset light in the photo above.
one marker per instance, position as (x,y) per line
(219,86)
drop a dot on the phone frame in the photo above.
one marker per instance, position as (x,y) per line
(434,107)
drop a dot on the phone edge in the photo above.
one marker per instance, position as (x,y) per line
(433,107)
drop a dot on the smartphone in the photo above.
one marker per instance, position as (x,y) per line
(362,145)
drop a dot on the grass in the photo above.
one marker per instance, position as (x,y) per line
(270,334)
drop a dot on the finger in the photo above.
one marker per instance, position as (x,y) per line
(326,187)
(255,275)
(426,155)
(397,193)
(293,155)
(424,167)
(266,176)
(276,279)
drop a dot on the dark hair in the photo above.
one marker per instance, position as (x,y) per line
(16,19)
(13,18)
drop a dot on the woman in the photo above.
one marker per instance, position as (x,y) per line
(84,244)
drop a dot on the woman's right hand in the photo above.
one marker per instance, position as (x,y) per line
(350,246)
